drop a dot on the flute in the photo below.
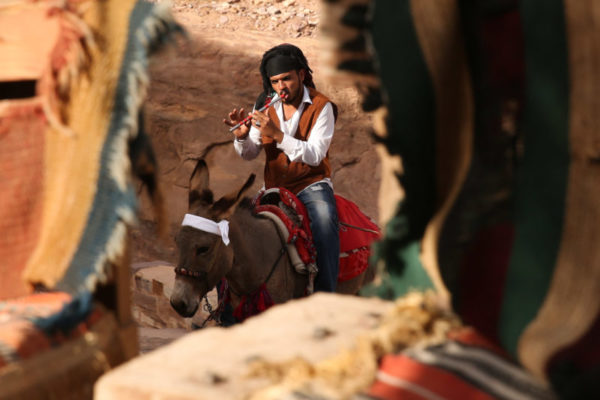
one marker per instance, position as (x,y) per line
(268,104)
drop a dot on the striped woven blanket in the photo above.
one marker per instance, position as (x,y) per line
(468,366)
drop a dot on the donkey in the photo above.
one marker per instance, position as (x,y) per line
(254,256)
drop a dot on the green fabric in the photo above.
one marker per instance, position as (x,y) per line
(394,281)
(411,133)
(542,177)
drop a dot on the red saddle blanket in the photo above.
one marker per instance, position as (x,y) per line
(357,231)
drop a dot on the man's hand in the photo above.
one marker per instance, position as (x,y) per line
(235,117)
(267,128)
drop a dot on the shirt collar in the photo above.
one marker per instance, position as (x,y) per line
(306,95)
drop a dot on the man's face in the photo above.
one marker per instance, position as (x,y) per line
(289,83)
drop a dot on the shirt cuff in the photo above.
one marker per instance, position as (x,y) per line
(239,146)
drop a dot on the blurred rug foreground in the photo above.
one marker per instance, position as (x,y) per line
(73,76)
(490,124)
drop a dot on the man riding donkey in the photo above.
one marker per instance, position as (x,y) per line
(295,133)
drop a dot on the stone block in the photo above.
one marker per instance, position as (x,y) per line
(216,363)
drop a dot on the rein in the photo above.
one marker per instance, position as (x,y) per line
(359,228)
(213,314)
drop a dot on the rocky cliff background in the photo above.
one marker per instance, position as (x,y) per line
(196,83)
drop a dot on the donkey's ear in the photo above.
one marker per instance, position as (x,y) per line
(224,207)
(198,188)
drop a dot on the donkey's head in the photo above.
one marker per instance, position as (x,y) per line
(205,255)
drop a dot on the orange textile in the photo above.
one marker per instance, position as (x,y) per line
(22,131)
(22,335)
(23,51)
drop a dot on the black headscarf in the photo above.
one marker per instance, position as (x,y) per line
(280,59)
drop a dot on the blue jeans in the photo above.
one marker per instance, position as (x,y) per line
(322,212)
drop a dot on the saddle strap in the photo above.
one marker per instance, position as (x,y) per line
(359,228)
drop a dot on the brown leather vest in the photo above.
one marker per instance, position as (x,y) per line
(295,176)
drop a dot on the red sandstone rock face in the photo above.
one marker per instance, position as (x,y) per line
(195,85)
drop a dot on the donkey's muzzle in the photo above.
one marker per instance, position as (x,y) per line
(183,308)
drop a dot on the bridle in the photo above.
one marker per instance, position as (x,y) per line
(201,275)
(215,314)
(189,273)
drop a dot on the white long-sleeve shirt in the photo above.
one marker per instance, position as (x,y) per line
(311,151)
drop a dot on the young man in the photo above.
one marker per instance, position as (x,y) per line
(295,134)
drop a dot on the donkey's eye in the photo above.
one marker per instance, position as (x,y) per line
(201,250)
